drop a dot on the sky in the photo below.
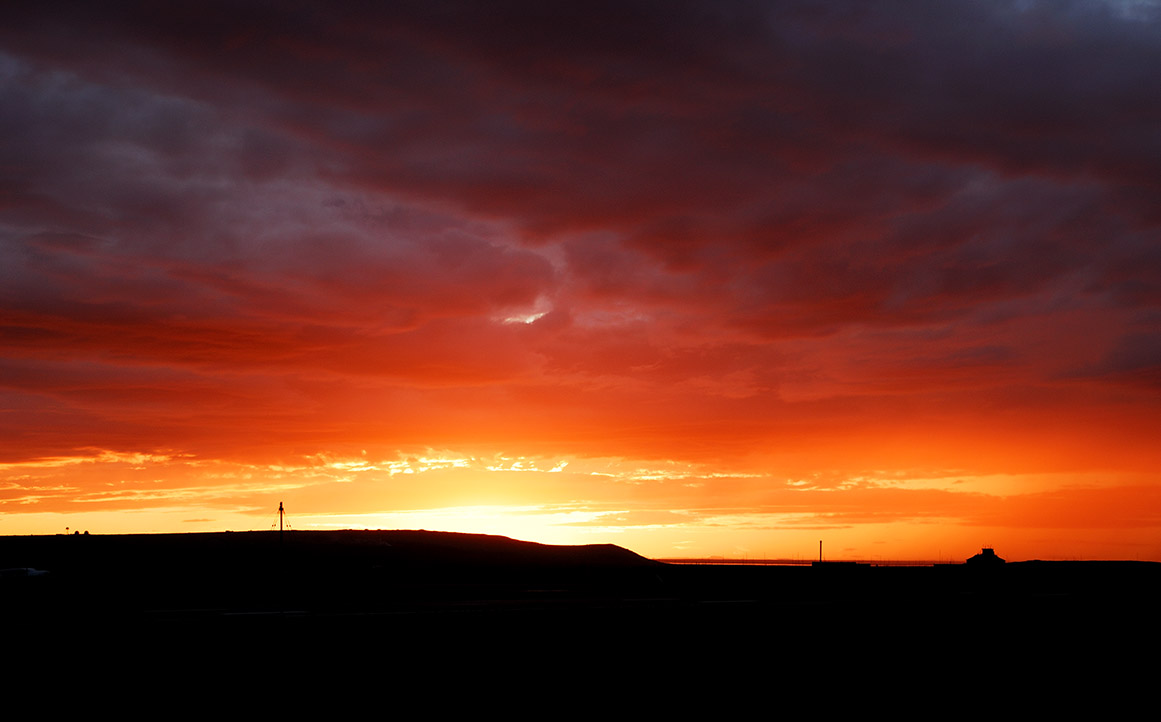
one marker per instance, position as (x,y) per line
(695,278)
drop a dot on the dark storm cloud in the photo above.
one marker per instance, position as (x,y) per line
(636,112)
(696,195)
(1135,359)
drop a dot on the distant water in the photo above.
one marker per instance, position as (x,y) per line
(800,562)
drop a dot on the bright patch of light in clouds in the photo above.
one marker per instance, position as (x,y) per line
(539,310)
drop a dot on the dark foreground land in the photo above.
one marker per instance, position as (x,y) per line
(422,605)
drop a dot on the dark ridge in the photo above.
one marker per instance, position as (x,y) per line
(164,553)
(434,608)
(313,571)
(323,572)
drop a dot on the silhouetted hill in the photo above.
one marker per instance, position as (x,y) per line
(376,570)
(350,551)
(305,569)
(231,549)
(434,608)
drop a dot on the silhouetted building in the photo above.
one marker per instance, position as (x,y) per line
(986,557)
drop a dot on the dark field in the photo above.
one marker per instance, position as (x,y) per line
(414,607)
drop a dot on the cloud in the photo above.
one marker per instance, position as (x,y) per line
(1134,360)
(797,234)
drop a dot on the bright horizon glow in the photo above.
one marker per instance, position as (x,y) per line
(134,498)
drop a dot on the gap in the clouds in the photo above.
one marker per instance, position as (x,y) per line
(540,308)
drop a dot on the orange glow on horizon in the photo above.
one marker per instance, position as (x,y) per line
(660,510)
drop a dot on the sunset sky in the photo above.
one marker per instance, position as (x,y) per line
(694,278)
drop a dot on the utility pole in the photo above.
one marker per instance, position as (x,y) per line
(282,513)
(819,548)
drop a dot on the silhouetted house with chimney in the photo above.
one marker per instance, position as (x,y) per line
(986,558)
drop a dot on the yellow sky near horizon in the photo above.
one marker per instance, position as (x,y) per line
(657,510)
